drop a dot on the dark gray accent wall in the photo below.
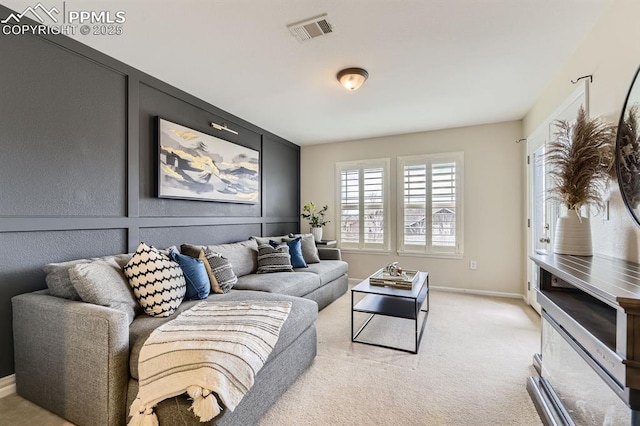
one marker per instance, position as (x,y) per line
(63,135)
(78,166)
(200,235)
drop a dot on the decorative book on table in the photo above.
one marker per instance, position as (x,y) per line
(405,280)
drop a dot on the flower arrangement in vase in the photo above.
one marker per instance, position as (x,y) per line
(316,218)
(580,159)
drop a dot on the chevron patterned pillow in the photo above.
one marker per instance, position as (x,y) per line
(158,282)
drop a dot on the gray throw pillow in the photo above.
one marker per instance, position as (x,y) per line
(309,249)
(221,268)
(274,259)
(102,282)
(59,282)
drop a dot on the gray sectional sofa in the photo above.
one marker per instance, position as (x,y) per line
(79,360)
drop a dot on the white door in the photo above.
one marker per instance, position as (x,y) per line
(538,237)
(542,213)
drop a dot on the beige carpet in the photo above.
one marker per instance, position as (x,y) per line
(471,370)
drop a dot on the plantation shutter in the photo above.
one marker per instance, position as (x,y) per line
(415,204)
(363,192)
(373,205)
(350,206)
(431,204)
(443,204)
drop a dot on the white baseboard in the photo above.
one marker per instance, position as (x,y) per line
(355,281)
(480,292)
(7,385)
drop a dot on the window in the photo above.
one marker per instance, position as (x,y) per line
(364,204)
(430,204)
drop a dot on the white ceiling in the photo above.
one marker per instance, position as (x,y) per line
(433,64)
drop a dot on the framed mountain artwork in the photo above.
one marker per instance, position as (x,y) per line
(197,166)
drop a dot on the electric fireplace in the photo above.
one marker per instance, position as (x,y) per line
(589,361)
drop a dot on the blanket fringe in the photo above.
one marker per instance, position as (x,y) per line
(142,416)
(205,405)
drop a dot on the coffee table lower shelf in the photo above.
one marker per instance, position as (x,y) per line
(391,306)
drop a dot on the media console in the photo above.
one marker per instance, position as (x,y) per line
(589,363)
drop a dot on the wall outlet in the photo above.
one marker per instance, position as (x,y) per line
(473,265)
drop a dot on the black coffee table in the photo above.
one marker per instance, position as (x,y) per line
(392,302)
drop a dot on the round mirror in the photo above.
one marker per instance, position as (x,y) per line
(628,150)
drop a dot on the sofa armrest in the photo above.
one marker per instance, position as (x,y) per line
(72,357)
(329,253)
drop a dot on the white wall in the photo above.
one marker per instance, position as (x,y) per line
(493,202)
(611,52)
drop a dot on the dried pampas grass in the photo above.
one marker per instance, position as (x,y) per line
(580,160)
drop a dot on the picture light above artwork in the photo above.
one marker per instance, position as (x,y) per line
(223,127)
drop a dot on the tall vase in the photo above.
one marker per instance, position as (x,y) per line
(573,235)
(317,232)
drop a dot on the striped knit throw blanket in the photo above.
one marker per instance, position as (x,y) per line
(214,347)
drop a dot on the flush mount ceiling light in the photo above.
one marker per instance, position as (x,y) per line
(352,78)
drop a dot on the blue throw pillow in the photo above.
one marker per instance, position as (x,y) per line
(295,251)
(198,285)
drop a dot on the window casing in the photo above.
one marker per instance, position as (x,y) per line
(363,200)
(430,199)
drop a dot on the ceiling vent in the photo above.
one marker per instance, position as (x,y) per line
(311,28)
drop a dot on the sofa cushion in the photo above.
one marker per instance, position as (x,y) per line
(327,270)
(195,274)
(303,314)
(59,282)
(221,270)
(292,284)
(273,259)
(309,249)
(101,282)
(243,256)
(157,281)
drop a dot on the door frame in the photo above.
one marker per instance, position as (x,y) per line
(535,140)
